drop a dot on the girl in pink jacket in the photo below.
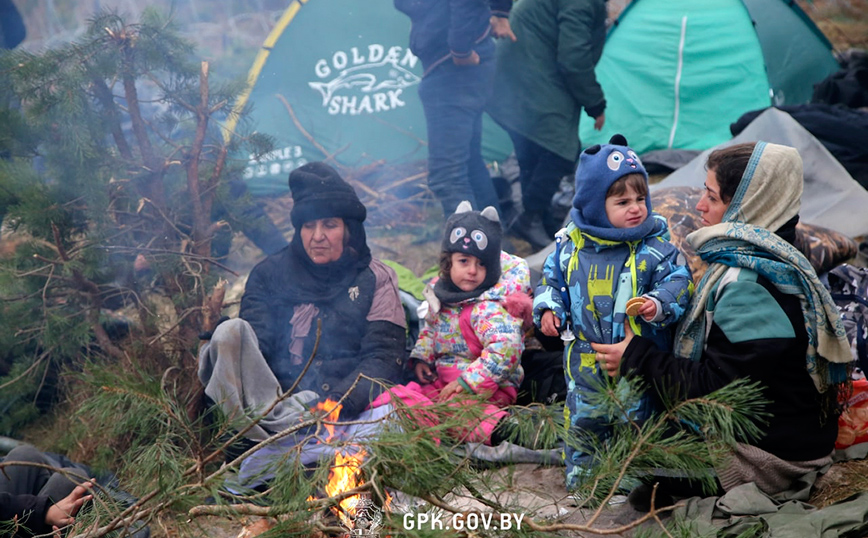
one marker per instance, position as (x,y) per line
(472,340)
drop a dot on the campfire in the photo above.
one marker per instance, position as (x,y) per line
(357,513)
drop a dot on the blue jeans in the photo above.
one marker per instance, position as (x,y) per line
(453,98)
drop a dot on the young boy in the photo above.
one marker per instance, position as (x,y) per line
(615,249)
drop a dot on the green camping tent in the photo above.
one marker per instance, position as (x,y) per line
(336,78)
(676,73)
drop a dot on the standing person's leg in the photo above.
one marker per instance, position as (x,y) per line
(480,177)
(453,98)
(448,138)
(528,225)
(540,176)
(527,159)
(546,181)
(24,479)
(482,82)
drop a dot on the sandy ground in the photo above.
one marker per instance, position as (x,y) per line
(529,491)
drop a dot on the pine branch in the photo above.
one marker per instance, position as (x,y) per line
(95,302)
(27,372)
(105,97)
(201,219)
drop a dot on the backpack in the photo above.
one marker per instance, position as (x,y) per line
(848,286)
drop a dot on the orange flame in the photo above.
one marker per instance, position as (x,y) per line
(334,410)
(346,475)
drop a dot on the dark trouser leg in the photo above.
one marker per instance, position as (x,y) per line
(61,484)
(540,176)
(480,178)
(453,98)
(542,181)
(24,479)
(527,162)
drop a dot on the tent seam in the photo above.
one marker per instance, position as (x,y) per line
(678,81)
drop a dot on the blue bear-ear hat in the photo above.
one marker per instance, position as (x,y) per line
(599,167)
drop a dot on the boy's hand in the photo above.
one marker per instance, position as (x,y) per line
(424,373)
(500,28)
(62,513)
(648,310)
(549,323)
(450,390)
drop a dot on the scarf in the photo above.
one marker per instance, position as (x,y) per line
(448,293)
(610,233)
(768,196)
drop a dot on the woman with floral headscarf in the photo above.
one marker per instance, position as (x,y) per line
(759,313)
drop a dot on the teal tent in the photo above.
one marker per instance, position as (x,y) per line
(676,73)
(337,78)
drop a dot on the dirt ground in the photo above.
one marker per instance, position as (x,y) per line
(845,23)
(531,491)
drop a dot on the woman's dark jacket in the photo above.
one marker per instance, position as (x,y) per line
(758,333)
(362,330)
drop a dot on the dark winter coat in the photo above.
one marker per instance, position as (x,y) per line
(362,330)
(449,27)
(546,77)
(758,333)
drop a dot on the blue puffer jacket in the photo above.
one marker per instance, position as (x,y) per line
(444,28)
(602,276)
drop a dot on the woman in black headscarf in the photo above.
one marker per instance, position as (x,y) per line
(327,276)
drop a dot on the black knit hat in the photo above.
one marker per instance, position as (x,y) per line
(319,192)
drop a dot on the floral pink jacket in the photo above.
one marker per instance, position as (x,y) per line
(441,343)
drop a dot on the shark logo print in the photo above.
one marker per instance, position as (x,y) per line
(364,81)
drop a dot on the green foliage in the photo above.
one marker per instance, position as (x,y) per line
(416,463)
(173,461)
(112,150)
(537,426)
(691,436)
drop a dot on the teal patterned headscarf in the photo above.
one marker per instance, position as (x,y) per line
(768,196)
